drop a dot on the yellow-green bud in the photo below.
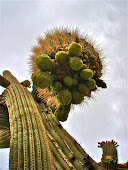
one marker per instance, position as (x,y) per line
(75,49)
(75,63)
(67,81)
(91,84)
(77,97)
(61,57)
(44,63)
(62,112)
(56,87)
(83,89)
(86,74)
(64,97)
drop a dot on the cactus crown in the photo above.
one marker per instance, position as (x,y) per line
(71,61)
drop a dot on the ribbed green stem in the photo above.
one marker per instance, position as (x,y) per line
(72,143)
(64,139)
(7,74)
(62,144)
(61,157)
(29,141)
(56,163)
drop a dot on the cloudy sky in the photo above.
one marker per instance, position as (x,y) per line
(103,118)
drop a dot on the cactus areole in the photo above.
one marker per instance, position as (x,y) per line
(64,61)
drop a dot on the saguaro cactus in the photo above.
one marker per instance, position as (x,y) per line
(65,69)
(109,156)
(35,136)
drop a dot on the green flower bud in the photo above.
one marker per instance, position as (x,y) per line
(62,112)
(64,97)
(75,49)
(75,63)
(56,87)
(83,89)
(91,84)
(61,57)
(86,74)
(42,79)
(74,82)
(44,63)
(67,81)
(77,97)
(34,78)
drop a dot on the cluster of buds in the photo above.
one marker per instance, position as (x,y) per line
(70,71)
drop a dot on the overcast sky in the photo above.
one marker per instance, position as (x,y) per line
(103,118)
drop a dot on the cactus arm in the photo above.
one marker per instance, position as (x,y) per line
(4,82)
(61,157)
(46,153)
(7,74)
(22,114)
(65,141)
(60,141)
(56,164)
(72,143)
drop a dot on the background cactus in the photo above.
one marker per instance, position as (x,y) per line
(109,156)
